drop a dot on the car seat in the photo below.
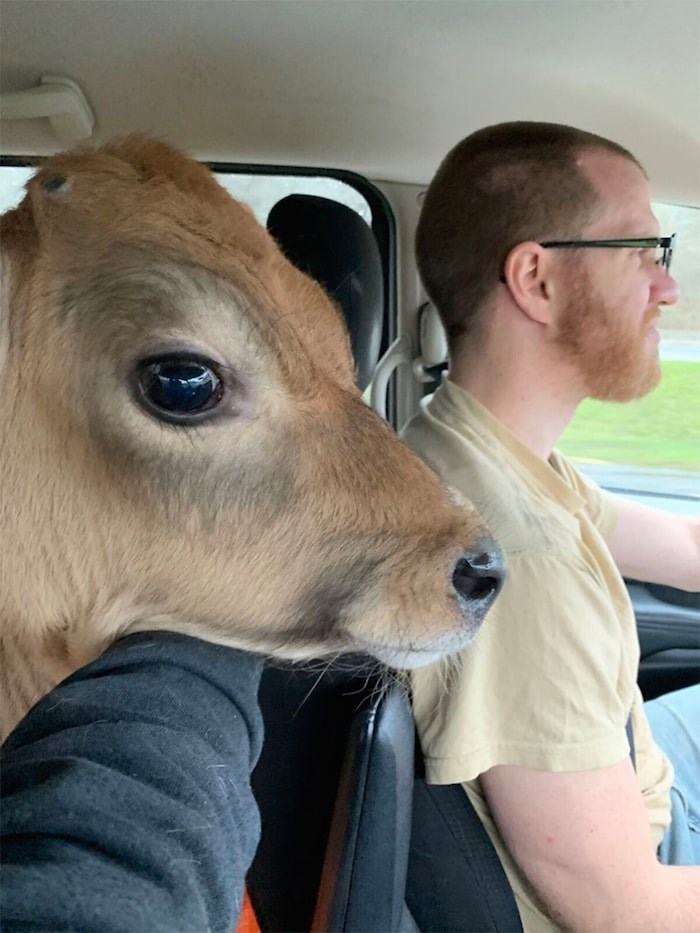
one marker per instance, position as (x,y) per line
(352,837)
(333,244)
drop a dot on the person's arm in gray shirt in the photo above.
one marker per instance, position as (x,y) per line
(126,800)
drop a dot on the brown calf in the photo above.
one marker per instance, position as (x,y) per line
(182,445)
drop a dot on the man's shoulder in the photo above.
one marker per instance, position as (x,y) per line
(520,515)
(457,450)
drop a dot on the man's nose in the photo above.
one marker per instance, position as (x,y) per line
(666,289)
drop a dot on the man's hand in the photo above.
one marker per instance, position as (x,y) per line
(656,546)
(582,839)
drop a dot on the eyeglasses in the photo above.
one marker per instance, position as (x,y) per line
(662,243)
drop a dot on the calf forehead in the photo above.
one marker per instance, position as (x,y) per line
(134,300)
(140,193)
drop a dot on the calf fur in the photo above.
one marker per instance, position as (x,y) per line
(277,513)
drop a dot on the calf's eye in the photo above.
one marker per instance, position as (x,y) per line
(178,389)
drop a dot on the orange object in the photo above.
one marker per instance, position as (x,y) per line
(247,922)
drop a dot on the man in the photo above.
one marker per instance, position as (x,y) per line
(532,720)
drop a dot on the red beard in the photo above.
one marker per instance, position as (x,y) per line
(617,361)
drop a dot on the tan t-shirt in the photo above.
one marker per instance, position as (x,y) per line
(550,680)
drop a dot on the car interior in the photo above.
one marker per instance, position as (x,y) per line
(365,832)
(372,95)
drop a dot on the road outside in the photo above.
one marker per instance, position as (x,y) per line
(661,422)
(681,346)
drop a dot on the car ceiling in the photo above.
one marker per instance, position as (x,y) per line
(382,88)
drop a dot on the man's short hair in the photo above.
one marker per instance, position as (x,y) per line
(498,187)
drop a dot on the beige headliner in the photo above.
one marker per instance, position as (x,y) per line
(383,88)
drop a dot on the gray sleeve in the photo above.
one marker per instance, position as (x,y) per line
(126,800)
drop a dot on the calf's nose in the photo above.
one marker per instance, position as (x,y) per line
(479,574)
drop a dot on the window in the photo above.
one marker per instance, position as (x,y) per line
(12,181)
(650,448)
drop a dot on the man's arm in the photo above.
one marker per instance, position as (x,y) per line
(655,546)
(582,839)
(126,800)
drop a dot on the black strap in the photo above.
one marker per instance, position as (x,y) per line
(456,883)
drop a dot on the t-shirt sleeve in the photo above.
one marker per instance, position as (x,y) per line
(126,800)
(540,685)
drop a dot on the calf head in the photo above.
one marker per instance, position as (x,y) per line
(182,445)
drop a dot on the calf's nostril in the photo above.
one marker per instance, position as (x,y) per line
(478,576)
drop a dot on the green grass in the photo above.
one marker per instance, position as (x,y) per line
(662,429)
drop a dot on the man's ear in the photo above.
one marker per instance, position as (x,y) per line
(526,274)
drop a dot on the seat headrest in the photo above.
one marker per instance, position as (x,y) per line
(432,340)
(332,243)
